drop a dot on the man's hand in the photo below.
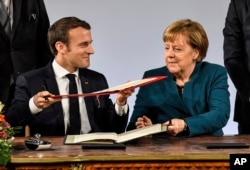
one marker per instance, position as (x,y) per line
(122,96)
(43,99)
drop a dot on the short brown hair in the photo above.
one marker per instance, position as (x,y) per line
(60,29)
(193,30)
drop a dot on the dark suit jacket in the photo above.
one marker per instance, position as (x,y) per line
(237,55)
(50,122)
(27,48)
(204,104)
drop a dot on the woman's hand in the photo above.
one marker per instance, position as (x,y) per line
(142,122)
(175,126)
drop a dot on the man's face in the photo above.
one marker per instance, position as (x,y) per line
(77,53)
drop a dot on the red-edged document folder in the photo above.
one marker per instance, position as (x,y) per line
(116,89)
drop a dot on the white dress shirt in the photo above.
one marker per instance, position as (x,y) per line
(63,85)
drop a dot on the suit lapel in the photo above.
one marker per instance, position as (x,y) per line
(170,90)
(172,96)
(86,86)
(3,33)
(89,102)
(85,83)
(51,85)
(17,5)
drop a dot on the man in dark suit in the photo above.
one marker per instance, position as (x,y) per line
(26,48)
(237,59)
(70,41)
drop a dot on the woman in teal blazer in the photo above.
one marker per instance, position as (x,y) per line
(194,99)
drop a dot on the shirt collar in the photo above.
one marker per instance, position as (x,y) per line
(60,72)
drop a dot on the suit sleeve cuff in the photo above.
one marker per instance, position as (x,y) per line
(121,110)
(33,109)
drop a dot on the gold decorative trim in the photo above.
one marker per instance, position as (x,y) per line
(78,166)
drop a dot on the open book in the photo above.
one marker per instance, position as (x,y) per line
(116,89)
(116,138)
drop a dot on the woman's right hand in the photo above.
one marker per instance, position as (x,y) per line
(143,122)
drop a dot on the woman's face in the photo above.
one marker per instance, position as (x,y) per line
(180,57)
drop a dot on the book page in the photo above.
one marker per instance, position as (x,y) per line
(116,89)
(131,84)
(137,133)
(70,139)
(117,138)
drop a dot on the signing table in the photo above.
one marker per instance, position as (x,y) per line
(152,152)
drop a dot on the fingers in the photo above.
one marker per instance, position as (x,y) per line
(43,100)
(139,123)
(46,99)
(174,126)
(143,122)
(123,95)
(127,92)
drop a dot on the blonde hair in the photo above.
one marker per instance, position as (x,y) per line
(197,37)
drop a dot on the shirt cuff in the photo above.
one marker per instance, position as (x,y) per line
(121,110)
(33,109)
